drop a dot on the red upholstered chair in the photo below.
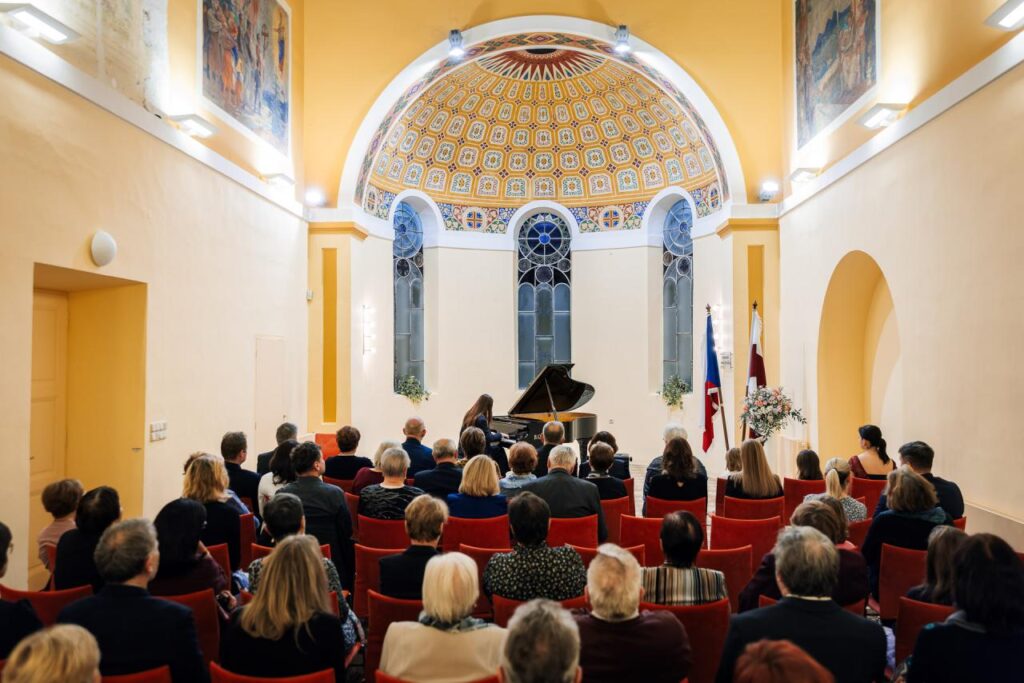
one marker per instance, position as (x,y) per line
(248,502)
(207,617)
(706,626)
(613,509)
(912,616)
(735,533)
(659,507)
(260,551)
(720,496)
(221,556)
(758,508)
(51,558)
(343,484)
(899,570)
(504,608)
(352,500)
(384,678)
(735,563)
(573,531)
(631,494)
(368,573)
(246,538)
(794,490)
(481,556)
(489,532)
(381,611)
(961,523)
(870,489)
(588,554)
(219,675)
(47,604)
(328,444)
(160,675)
(858,531)
(643,531)
(383,533)
(853,608)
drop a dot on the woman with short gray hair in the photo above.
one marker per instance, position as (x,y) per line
(388,499)
(543,644)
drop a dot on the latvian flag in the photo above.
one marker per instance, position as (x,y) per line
(712,385)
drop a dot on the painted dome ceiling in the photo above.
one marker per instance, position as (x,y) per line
(555,117)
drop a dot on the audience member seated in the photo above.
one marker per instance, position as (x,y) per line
(542,646)
(472,442)
(913,512)
(233,500)
(280,475)
(185,565)
(808,466)
(755,479)
(852,582)
(919,456)
(551,436)
(286,431)
(401,576)
(837,485)
(567,496)
(60,500)
(446,476)
(778,661)
(532,569)
(983,639)
(479,495)
(602,457)
(672,431)
(289,628)
(446,644)
(873,462)
(420,457)
(206,481)
(388,499)
(17,619)
(324,508)
(369,476)
(677,581)
(63,653)
(618,641)
(943,542)
(522,460)
(620,462)
(97,510)
(852,648)
(346,464)
(234,450)
(136,631)
(479,416)
(680,478)
(732,461)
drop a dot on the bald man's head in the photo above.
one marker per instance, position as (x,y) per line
(414,428)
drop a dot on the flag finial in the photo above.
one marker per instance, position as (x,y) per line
(755,304)
(708,307)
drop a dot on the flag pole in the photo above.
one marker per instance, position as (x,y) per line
(721,402)
(746,385)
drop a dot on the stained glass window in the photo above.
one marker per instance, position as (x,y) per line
(407,272)
(677,289)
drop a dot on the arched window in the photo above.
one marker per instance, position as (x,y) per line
(543,300)
(407,271)
(677,288)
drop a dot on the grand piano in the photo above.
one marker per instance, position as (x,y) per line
(552,395)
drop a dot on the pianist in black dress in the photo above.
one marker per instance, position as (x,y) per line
(480,415)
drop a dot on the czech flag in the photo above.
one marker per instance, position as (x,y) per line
(712,385)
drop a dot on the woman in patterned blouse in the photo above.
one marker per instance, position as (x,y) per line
(388,499)
(678,582)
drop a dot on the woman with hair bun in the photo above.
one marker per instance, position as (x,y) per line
(837,485)
(873,462)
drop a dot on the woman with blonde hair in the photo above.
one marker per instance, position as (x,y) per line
(446,645)
(368,476)
(837,485)
(206,481)
(65,653)
(755,480)
(289,628)
(479,494)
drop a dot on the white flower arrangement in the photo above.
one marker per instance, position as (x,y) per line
(768,410)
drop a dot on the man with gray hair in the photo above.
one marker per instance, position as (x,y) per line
(420,457)
(135,631)
(446,477)
(565,494)
(542,646)
(673,430)
(552,436)
(388,499)
(659,650)
(806,569)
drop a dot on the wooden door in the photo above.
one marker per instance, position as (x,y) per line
(271,395)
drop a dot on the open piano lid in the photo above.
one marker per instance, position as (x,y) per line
(553,385)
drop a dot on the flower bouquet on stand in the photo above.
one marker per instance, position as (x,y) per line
(768,410)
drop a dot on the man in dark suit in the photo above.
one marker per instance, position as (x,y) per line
(446,475)
(919,456)
(551,436)
(245,483)
(401,576)
(286,431)
(807,568)
(566,495)
(136,631)
(420,457)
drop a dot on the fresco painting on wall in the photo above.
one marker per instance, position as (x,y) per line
(246,70)
(836,61)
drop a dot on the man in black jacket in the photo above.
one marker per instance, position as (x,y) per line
(446,476)
(401,576)
(551,436)
(566,495)
(286,431)
(918,456)
(245,483)
(420,457)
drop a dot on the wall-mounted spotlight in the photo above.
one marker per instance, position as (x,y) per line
(194,125)
(769,190)
(280,180)
(804,174)
(315,196)
(622,45)
(881,115)
(38,23)
(455,49)
(1009,16)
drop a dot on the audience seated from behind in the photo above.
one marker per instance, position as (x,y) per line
(755,480)
(280,475)
(522,459)
(533,569)
(17,619)
(808,466)
(672,431)
(778,661)
(446,475)
(206,481)
(919,456)
(401,576)
(677,581)
(233,500)
(289,628)
(983,639)
(602,456)
(852,582)
(346,464)
(373,475)
(472,442)
(60,500)
(852,648)
(732,461)
(680,478)
(618,641)
(567,496)
(551,436)
(620,465)
(64,653)
(136,631)
(943,542)
(286,431)
(446,644)
(185,565)
(543,645)
(837,485)
(388,499)
(913,512)
(97,510)
(873,462)
(245,483)
(420,457)
(479,496)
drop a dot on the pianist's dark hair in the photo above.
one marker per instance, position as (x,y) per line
(483,406)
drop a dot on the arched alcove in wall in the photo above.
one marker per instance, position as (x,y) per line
(859,357)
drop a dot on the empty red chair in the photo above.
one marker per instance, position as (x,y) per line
(870,489)
(720,495)
(219,675)
(588,554)
(735,533)
(912,617)
(504,608)
(160,675)
(352,500)
(368,572)
(260,551)
(384,678)
(343,484)
(613,509)
(706,627)
(573,531)
(961,523)
(382,533)
(760,508)
(207,617)
(643,531)
(481,556)
(221,556)
(858,531)
(899,570)
(246,538)
(489,532)
(328,444)
(794,490)
(381,611)
(631,494)
(735,563)
(47,604)
(854,607)
(659,507)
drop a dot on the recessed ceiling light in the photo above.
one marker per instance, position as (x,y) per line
(622,45)
(315,196)
(881,115)
(769,189)
(1009,16)
(804,174)
(38,22)
(455,49)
